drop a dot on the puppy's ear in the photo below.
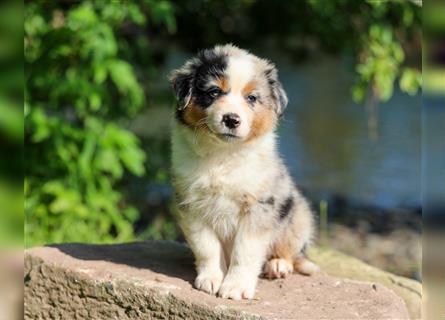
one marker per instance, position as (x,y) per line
(279,96)
(182,83)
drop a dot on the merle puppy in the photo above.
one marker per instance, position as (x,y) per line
(239,209)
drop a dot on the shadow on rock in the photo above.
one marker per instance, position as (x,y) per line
(167,257)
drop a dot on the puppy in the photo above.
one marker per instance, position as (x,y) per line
(240,212)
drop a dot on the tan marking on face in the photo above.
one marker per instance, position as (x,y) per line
(248,88)
(195,116)
(223,84)
(263,122)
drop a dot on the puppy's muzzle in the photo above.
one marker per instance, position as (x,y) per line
(231,120)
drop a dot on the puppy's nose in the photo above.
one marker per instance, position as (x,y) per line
(231,120)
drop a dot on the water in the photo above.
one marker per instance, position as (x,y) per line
(325,140)
(433,159)
(327,145)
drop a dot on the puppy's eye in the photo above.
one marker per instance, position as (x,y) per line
(251,98)
(214,92)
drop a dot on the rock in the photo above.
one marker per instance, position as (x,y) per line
(153,280)
(11,290)
(341,265)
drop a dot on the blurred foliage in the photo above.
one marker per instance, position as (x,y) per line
(11,125)
(92,66)
(11,77)
(382,54)
(434,48)
(81,89)
(378,34)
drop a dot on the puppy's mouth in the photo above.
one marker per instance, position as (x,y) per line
(223,135)
(229,136)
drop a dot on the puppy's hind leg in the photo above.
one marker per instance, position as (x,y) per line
(301,230)
(288,252)
(279,261)
(283,261)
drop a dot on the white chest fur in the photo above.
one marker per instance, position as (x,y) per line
(215,180)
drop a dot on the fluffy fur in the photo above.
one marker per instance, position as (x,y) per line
(240,212)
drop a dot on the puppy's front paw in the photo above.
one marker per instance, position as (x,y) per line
(238,287)
(209,281)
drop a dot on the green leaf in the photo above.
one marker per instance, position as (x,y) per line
(123,77)
(86,155)
(108,161)
(133,158)
(358,92)
(410,81)
(41,125)
(65,201)
(95,101)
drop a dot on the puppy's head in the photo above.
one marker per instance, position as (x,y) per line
(229,93)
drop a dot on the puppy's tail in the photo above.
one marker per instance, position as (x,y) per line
(304,266)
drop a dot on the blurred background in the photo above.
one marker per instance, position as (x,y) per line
(98,108)
(433,161)
(11,160)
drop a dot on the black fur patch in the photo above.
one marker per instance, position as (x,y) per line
(270,201)
(182,84)
(208,65)
(286,207)
(180,115)
(212,66)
